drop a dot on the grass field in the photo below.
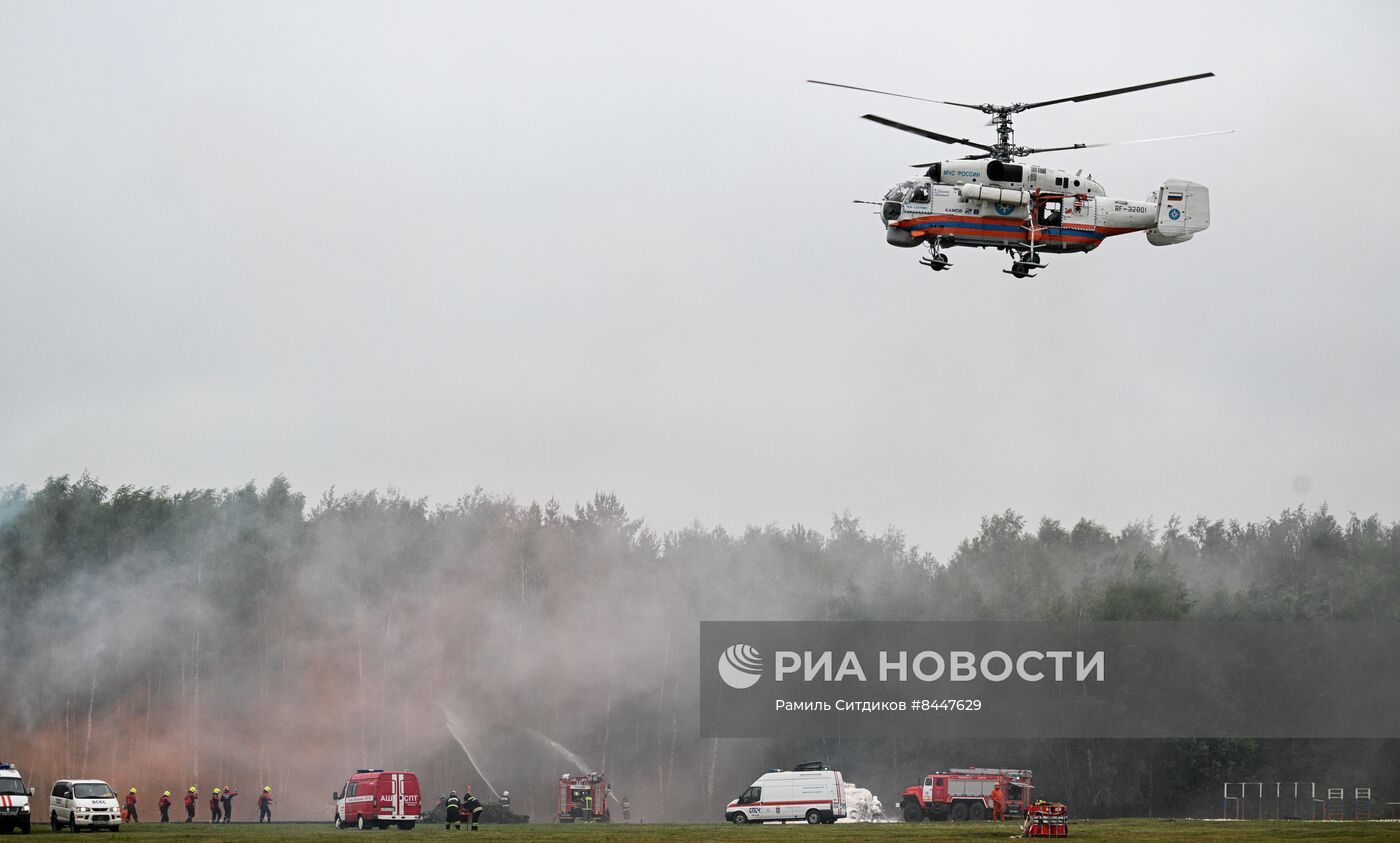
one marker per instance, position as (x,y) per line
(1127,830)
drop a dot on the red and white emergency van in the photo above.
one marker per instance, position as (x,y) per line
(378,799)
(810,792)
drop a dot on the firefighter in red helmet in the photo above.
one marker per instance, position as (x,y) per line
(229,793)
(471,805)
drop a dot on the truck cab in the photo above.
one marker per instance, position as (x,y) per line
(14,801)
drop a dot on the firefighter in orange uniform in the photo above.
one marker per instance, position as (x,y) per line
(164,806)
(997,804)
(131,805)
(191,800)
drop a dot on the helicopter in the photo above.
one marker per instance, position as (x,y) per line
(989,200)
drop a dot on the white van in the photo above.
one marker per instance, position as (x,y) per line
(84,803)
(811,793)
(14,801)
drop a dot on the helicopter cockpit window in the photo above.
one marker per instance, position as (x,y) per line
(1052,212)
(897,192)
(919,194)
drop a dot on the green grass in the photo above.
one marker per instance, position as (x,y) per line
(1127,830)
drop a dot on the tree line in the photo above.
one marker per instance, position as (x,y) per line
(249,636)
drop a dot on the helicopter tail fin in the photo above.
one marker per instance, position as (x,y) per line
(1183,208)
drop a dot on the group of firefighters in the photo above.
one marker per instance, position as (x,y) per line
(220,805)
(471,806)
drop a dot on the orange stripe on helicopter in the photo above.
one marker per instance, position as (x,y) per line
(1007,229)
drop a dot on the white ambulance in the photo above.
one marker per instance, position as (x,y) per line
(811,792)
(14,801)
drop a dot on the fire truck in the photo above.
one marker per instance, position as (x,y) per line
(378,799)
(583,798)
(965,793)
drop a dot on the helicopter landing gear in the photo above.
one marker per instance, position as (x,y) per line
(1027,263)
(937,261)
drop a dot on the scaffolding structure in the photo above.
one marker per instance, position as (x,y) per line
(1336,803)
(1361,803)
(1289,795)
(1297,801)
(1237,803)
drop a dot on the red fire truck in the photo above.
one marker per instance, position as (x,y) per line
(965,793)
(583,797)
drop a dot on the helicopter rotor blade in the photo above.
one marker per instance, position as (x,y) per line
(924,133)
(1116,91)
(891,94)
(1123,143)
(928,164)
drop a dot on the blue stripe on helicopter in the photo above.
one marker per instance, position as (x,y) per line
(1013,229)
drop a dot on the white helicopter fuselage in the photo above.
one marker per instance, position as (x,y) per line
(1026,207)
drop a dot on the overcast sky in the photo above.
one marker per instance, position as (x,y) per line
(554,248)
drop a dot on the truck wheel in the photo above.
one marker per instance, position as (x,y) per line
(977,811)
(738,818)
(73,823)
(912,812)
(339,823)
(814,817)
(361,824)
(959,812)
(54,824)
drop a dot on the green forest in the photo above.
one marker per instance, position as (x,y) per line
(251,636)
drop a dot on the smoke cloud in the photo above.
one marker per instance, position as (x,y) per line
(242,637)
